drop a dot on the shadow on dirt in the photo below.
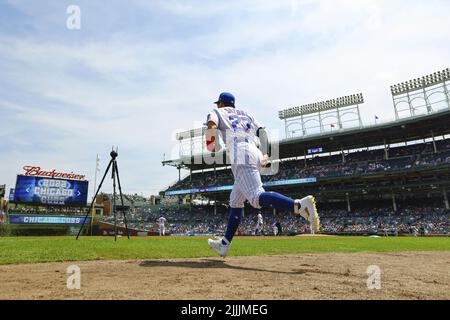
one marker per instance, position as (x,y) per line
(207,264)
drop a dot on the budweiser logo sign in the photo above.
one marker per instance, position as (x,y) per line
(36,171)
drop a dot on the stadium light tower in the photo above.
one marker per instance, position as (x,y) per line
(422,89)
(321,112)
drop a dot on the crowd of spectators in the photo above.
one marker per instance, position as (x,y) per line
(410,220)
(182,220)
(356,163)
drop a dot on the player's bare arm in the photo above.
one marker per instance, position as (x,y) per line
(210,135)
(264,145)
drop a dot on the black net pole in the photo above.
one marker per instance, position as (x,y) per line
(114,200)
(121,200)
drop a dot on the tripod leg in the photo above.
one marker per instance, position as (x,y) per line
(121,199)
(96,194)
(114,199)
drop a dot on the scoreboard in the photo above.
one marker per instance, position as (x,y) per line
(50,191)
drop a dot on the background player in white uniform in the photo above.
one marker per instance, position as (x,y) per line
(242,135)
(275,229)
(259,224)
(162,228)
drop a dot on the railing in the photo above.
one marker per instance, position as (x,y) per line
(390,121)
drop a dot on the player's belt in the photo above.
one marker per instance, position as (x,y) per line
(240,139)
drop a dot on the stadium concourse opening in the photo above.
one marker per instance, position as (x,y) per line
(387,178)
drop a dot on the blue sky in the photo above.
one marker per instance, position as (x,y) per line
(139,71)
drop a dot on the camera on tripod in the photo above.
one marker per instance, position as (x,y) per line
(114,176)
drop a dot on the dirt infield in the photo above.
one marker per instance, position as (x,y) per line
(416,275)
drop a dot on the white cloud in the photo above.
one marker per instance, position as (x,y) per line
(134,90)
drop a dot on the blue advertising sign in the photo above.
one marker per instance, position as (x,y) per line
(59,220)
(291,181)
(50,191)
(212,189)
(315,150)
(180,192)
(224,188)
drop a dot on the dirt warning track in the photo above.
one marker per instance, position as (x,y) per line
(413,275)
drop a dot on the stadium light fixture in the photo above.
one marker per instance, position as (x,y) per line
(345,101)
(190,134)
(421,83)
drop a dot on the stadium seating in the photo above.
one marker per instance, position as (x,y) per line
(357,163)
(362,220)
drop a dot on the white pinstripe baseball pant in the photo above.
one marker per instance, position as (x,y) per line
(247,186)
(247,176)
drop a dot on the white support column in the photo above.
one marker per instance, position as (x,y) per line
(434,142)
(286,128)
(304,153)
(395,107)
(359,116)
(444,193)
(215,205)
(190,194)
(320,122)
(386,151)
(447,96)
(427,102)
(303,126)
(347,197)
(411,108)
(394,202)
(339,119)
(191,160)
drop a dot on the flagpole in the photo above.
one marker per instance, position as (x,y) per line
(97,162)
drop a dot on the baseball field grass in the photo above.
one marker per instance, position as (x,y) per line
(24,250)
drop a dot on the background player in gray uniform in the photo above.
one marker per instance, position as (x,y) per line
(162,227)
(275,229)
(259,224)
(242,135)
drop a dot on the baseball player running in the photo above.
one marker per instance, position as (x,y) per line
(242,135)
